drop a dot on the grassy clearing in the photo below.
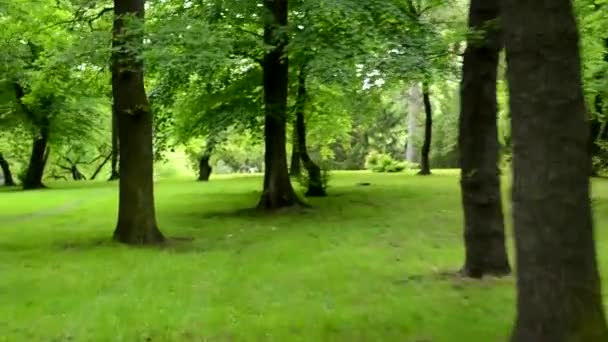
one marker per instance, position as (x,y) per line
(365,264)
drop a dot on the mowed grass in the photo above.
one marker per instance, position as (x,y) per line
(364,264)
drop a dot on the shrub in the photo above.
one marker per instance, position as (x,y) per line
(381,162)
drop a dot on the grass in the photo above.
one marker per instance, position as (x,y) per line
(365,264)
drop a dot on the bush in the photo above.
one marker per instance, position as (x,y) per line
(381,162)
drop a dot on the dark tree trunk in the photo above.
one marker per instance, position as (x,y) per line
(76,174)
(425,166)
(484,231)
(38,158)
(559,294)
(100,166)
(136,214)
(278,191)
(204,169)
(6,171)
(315,181)
(114,175)
(295,169)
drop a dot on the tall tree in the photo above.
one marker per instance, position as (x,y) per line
(559,294)
(114,174)
(6,171)
(425,166)
(315,182)
(278,191)
(484,231)
(136,213)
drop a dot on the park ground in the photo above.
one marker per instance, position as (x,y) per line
(367,263)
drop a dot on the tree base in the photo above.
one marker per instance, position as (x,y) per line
(270,202)
(37,186)
(135,236)
(492,271)
(114,177)
(424,173)
(315,191)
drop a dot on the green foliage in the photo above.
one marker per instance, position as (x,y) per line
(380,162)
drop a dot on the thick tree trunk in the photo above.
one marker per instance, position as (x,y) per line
(6,171)
(204,169)
(484,231)
(425,166)
(278,191)
(114,175)
(136,213)
(559,294)
(315,181)
(414,107)
(295,169)
(38,158)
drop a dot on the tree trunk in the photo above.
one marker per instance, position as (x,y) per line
(559,294)
(100,166)
(114,175)
(278,191)
(315,181)
(425,167)
(76,174)
(295,169)
(484,231)
(38,158)
(414,108)
(6,171)
(204,169)
(136,214)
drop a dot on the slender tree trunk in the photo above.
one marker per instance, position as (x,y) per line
(38,158)
(278,191)
(559,294)
(315,181)
(204,169)
(100,166)
(114,175)
(295,169)
(484,231)
(136,214)
(414,108)
(425,166)
(6,171)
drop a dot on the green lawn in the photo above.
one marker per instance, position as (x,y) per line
(365,264)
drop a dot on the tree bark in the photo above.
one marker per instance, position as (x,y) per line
(136,214)
(295,169)
(425,166)
(6,171)
(114,175)
(484,231)
(559,293)
(278,191)
(204,169)
(315,181)
(38,158)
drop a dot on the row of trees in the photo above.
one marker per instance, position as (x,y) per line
(223,68)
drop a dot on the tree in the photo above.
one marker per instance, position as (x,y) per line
(114,174)
(278,191)
(484,231)
(136,212)
(559,294)
(425,167)
(315,182)
(6,171)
